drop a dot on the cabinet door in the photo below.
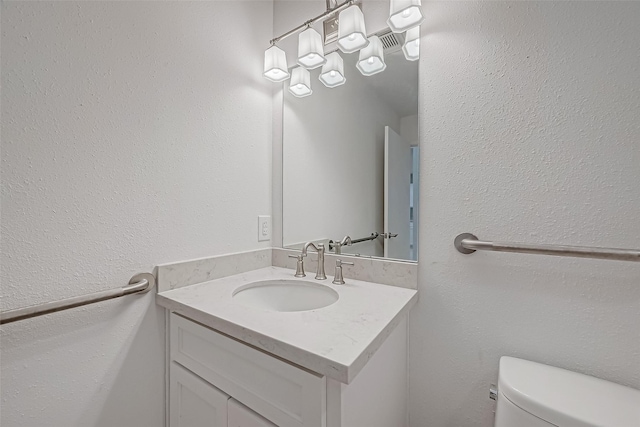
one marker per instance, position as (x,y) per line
(281,392)
(241,416)
(193,402)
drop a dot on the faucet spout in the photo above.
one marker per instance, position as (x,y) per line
(346,240)
(320,273)
(306,247)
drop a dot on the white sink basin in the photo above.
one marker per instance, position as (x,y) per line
(285,295)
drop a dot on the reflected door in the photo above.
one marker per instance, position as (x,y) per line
(397,182)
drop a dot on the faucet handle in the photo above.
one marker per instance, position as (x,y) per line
(338,278)
(299,265)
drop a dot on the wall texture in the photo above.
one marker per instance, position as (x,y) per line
(529,132)
(133,134)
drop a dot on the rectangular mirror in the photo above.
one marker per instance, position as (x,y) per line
(351,160)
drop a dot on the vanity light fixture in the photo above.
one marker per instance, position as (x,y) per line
(300,84)
(352,35)
(275,64)
(332,74)
(404,15)
(371,60)
(310,49)
(411,46)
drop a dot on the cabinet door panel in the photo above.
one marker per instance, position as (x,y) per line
(282,393)
(241,416)
(193,401)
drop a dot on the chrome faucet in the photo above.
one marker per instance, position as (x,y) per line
(299,266)
(337,246)
(320,274)
(338,278)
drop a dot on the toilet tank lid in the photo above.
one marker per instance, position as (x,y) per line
(567,398)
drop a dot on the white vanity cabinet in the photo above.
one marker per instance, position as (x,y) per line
(241,416)
(283,393)
(216,380)
(194,402)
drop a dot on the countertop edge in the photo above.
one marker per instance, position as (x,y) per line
(360,362)
(321,366)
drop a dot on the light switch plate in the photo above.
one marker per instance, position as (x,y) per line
(264,228)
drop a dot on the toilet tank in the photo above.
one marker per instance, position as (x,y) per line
(534,395)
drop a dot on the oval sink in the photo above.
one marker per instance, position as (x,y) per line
(285,295)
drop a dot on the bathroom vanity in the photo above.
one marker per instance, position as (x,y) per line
(245,360)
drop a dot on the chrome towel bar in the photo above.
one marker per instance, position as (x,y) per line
(373,236)
(139,284)
(467,243)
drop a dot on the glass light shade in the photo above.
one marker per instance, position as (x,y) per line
(352,35)
(300,84)
(371,60)
(310,49)
(332,73)
(404,15)
(411,46)
(275,64)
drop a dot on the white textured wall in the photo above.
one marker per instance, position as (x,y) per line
(133,134)
(529,132)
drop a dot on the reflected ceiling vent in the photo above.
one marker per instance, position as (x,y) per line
(391,42)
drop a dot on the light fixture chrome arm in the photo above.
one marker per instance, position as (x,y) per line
(314,20)
(331,4)
(467,243)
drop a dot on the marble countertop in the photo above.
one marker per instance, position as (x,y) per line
(335,341)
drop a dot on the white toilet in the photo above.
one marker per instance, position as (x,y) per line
(534,395)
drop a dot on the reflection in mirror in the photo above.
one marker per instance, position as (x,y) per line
(350,161)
